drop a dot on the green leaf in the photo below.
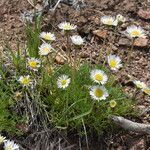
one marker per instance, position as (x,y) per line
(81,115)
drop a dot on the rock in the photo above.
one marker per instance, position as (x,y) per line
(100,33)
(141,42)
(144,14)
(124,42)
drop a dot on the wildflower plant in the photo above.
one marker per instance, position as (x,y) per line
(110,21)
(114,62)
(33,40)
(120,18)
(60,98)
(142,86)
(67,26)
(112,103)
(63,81)
(47,36)
(10,145)
(84,99)
(134,32)
(2,139)
(34,63)
(25,80)
(98,76)
(99,92)
(77,40)
(139,84)
(45,49)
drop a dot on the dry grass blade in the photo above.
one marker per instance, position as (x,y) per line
(31,2)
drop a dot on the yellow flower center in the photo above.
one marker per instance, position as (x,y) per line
(109,22)
(46,49)
(67,26)
(135,33)
(47,37)
(9,147)
(139,85)
(63,82)
(33,64)
(25,81)
(113,103)
(113,63)
(98,77)
(98,93)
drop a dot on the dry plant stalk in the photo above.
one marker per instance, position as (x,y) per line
(130,125)
(31,2)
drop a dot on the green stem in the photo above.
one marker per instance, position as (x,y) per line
(49,62)
(107,53)
(130,52)
(100,52)
(75,62)
(68,45)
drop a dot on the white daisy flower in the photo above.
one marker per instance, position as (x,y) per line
(99,93)
(77,40)
(108,20)
(48,36)
(67,26)
(98,76)
(2,139)
(135,32)
(63,81)
(10,145)
(120,18)
(114,62)
(25,80)
(34,63)
(146,90)
(139,84)
(45,49)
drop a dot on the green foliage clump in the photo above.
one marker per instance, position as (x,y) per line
(8,117)
(70,107)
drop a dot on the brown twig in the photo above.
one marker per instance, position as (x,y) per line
(130,125)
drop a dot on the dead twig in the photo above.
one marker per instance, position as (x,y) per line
(130,125)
